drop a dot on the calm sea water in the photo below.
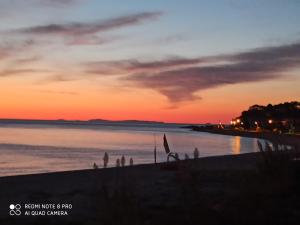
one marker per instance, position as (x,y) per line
(34,148)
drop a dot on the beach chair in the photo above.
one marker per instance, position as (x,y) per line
(168,151)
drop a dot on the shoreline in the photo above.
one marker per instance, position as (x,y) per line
(209,159)
(286,139)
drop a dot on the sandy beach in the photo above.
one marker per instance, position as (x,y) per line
(212,190)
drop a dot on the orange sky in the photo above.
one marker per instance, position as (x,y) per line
(156,61)
(63,101)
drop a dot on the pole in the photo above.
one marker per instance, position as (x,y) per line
(154,149)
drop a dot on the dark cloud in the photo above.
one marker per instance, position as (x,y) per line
(82,29)
(252,66)
(129,66)
(83,33)
(171,62)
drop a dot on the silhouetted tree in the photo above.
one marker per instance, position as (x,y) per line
(282,115)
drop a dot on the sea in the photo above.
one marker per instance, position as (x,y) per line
(30,147)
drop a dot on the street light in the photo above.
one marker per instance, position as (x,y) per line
(257,127)
(270,121)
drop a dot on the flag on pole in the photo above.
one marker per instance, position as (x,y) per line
(155,154)
(154,148)
(166,145)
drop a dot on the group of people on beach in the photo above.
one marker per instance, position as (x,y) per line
(119,162)
(196,154)
(122,162)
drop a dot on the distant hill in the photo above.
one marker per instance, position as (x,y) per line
(122,121)
(81,122)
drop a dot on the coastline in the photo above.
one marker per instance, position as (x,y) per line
(286,139)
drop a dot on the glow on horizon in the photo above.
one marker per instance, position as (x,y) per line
(142,61)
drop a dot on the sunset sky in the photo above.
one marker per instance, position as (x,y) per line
(173,61)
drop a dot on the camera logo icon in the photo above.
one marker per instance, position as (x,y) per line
(14,209)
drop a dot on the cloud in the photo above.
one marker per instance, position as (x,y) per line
(57,77)
(15,72)
(58,2)
(251,66)
(58,92)
(4,52)
(12,8)
(13,48)
(89,40)
(77,33)
(27,60)
(15,4)
(82,29)
(129,66)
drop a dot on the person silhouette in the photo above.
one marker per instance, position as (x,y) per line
(95,166)
(196,153)
(118,163)
(123,161)
(186,156)
(131,162)
(105,159)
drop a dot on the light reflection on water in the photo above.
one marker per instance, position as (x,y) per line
(35,149)
(236,145)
